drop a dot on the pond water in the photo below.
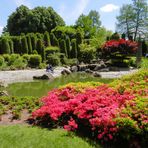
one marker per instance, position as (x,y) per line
(41,88)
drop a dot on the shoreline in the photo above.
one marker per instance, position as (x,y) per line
(8,77)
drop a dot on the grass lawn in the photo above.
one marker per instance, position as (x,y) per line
(20,136)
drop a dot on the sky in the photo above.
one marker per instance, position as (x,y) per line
(69,10)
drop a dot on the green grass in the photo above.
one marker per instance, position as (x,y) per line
(34,137)
(41,88)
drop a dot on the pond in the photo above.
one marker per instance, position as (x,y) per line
(41,88)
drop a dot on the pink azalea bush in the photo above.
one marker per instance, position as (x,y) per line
(94,108)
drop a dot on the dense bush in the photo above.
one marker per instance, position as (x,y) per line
(1,60)
(97,110)
(51,50)
(73,52)
(35,61)
(53,59)
(121,46)
(87,53)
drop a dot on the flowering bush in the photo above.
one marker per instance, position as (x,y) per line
(94,108)
(101,111)
(121,46)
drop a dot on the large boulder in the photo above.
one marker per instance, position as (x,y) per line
(65,72)
(96,74)
(88,71)
(82,67)
(74,68)
(43,77)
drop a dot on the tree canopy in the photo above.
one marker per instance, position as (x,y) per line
(39,19)
(133,19)
(90,23)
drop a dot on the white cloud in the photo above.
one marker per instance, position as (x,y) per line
(109,8)
(22,2)
(1,29)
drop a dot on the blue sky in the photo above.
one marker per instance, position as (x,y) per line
(70,10)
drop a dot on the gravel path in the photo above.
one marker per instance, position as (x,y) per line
(7,77)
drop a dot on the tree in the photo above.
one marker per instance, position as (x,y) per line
(17,44)
(63,47)
(40,49)
(11,46)
(54,40)
(33,41)
(68,46)
(29,44)
(46,39)
(133,19)
(24,45)
(5,46)
(39,19)
(73,52)
(90,23)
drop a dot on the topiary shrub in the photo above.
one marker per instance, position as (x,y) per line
(1,60)
(12,59)
(54,60)
(6,57)
(51,50)
(35,61)
(87,53)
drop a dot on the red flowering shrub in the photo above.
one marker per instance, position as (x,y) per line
(121,46)
(93,108)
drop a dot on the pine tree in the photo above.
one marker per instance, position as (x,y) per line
(5,46)
(46,39)
(24,45)
(54,40)
(63,47)
(33,41)
(11,46)
(73,53)
(29,44)
(68,46)
(78,41)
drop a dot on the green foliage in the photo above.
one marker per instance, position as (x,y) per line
(29,44)
(51,50)
(24,45)
(100,38)
(63,47)
(17,44)
(5,46)
(87,53)
(6,57)
(115,36)
(53,40)
(39,46)
(35,61)
(46,39)
(144,63)
(73,52)
(68,46)
(53,59)
(11,46)
(39,19)
(33,41)
(67,30)
(1,60)
(90,23)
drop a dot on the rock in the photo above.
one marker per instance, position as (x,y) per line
(92,66)
(65,72)
(98,67)
(114,69)
(88,71)
(104,70)
(96,74)
(103,65)
(82,67)
(74,68)
(108,63)
(43,77)
(4,93)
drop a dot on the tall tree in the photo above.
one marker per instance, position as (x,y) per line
(39,19)
(133,19)
(24,45)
